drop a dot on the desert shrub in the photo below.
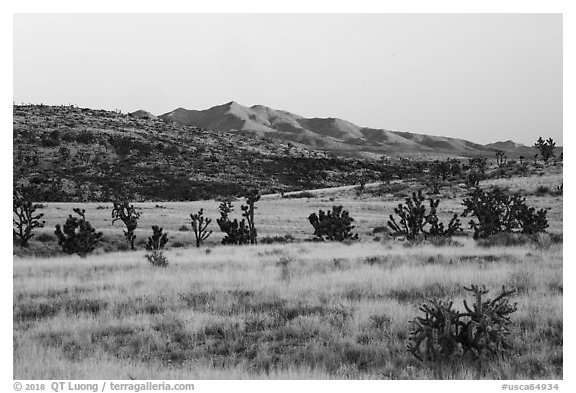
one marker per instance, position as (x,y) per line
(381,229)
(24,219)
(335,224)
(237,232)
(157,258)
(542,190)
(277,239)
(51,139)
(128,214)
(86,137)
(473,179)
(184,228)
(444,333)
(415,221)
(77,236)
(45,238)
(200,225)
(508,239)
(158,239)
(496,211)
(479,164)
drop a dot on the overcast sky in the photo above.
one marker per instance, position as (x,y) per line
(481,77)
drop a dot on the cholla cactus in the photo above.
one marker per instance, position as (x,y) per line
(333,225)
(497,212)
(444,333)
(200,225)
(77,236)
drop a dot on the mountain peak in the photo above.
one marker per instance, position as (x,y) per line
(328,133)
(141,113)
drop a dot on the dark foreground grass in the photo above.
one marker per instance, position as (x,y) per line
(259,318)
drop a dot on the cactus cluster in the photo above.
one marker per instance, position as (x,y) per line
(77,236)
(496,211)
(414,221)
(237,232)
(444,333)
(546,148)
(335,224)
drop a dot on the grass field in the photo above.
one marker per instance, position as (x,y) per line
(281,311)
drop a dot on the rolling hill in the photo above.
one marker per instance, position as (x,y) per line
(329,134)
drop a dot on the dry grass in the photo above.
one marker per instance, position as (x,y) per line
(328,311)
(292,311)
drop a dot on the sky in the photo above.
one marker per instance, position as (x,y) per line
(480,77)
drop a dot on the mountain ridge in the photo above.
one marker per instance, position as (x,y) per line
(332,134)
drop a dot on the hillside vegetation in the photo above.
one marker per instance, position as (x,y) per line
(65,153)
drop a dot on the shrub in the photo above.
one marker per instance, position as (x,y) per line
(542,190)
(126,213)
(473,179)
(200,224)
(77,236)
(444,333)
(24,220)
(507,239)
(277,239)
(157,258)
(333,225)
(479,164)
(414,219)
(496,212)
(45,238)
(86,137)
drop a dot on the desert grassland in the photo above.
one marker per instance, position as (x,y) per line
(280,311)
(277,216)
(276,311)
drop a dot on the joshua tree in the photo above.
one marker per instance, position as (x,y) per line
(546,148)
(158,239)
(126,213)
(199,224)
(413,219)
(24,221)
(500,157)
(252,197)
